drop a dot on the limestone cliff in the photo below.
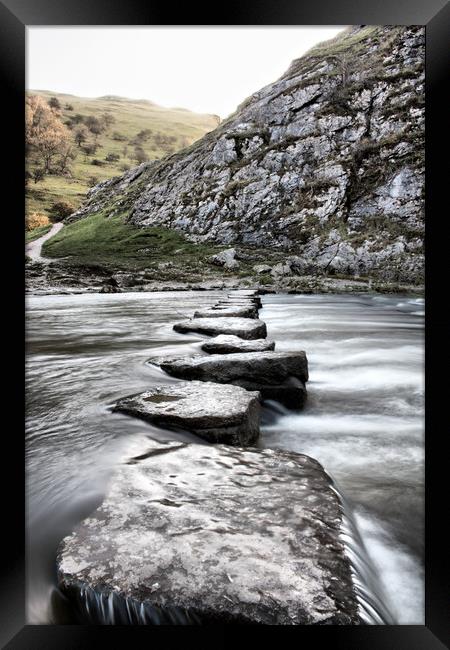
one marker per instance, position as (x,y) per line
(326,164)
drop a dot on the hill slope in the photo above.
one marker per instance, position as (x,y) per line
(324,166)
(171,129)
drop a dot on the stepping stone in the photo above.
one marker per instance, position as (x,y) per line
(269,368)
(221,312)
(195,534)
(291,392)
(245,328)
(229,344)
(243,292)
(246,302)
(226,414)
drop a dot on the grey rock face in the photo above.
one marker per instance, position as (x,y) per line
(226,414)
(281,269)
(222,311)
(327,163)
(229,344)
(212,535)
(259,367)
(245,328)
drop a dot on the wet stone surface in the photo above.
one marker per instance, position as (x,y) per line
(227,414)
(245,328)
(259,367)
(229,344)
(222,311)
(190,534)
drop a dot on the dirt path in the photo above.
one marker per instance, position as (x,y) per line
(33,249)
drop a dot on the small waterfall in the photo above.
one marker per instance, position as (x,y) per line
(372,600)
(89,606)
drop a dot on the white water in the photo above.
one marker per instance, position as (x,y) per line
(363,420)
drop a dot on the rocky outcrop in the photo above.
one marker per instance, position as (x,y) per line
(192,534)
(229,344)
(245,328)
(226,258)
(226,414)
(325,165)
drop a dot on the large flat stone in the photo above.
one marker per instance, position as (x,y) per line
(245,328)
(227,311)
(197,534)
(259,367)
(227,414)
(229,344)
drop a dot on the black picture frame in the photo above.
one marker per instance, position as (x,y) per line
(15,15)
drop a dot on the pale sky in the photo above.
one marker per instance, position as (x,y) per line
(204,69)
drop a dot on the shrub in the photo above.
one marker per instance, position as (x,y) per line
(97,162)
(53,102)
(112,157)
(139,155)
(89,149)
(35,220)
(61,209)
(38,174)
(78,118)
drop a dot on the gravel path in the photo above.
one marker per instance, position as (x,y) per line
(33,249)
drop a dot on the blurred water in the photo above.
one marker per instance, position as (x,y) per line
(363,421)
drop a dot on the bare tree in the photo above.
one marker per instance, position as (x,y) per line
(81,135)
(67,156)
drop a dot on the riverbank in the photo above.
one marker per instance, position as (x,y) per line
(56,277)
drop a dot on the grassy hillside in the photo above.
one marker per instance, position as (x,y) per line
(110,242)
(170,130)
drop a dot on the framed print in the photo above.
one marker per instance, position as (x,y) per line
(231,399)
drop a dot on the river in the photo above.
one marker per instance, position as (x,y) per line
(364,419)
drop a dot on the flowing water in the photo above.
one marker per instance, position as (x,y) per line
(363,420)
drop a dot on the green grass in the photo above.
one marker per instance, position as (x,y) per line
(343,42)
(110,242)
(37,232)
(131,116)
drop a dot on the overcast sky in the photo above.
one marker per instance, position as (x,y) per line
(207,70)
